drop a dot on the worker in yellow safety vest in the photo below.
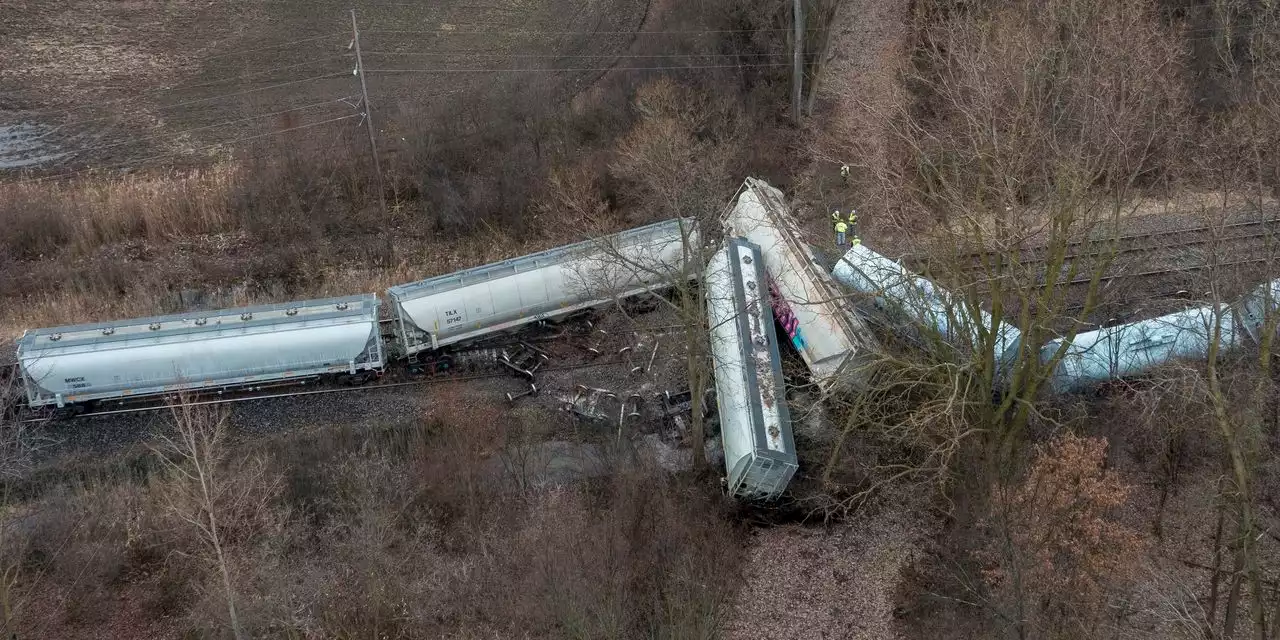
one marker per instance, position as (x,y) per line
(844,226)
(836,217)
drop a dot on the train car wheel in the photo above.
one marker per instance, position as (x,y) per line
(69,411)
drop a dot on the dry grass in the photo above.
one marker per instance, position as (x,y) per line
(840,581)
(401,533)
(89,212)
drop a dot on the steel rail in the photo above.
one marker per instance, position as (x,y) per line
(977,255)
(1140,249)
(1161,272)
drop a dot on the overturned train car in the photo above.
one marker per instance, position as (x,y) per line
(1083,361)
(1128,350)
(918,309)
(755,425)
(833,343)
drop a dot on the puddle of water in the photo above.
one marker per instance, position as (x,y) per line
(26,145)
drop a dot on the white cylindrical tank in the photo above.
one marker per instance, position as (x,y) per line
(755,426)
(202,350)
(1131,349)
(476,302)
(833,343)
(889,288)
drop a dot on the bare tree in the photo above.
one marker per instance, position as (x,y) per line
(1010,158)
(193,456)
(797,58)
(822,19)
(19,437)
(676,172)
(1242,60)
(685,296)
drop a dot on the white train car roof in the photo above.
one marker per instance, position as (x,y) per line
(92,336)
(755,424)
(832,341)
(557,255)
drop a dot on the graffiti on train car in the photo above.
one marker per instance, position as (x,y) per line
(786,317)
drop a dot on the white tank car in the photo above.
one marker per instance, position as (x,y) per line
(910,302)
(833,342)
(755,426)
(201,351)
(1131,349)
(469,304)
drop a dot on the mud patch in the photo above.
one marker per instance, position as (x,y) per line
(27,145)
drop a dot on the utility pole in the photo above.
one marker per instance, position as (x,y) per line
(797,56)
(368,113)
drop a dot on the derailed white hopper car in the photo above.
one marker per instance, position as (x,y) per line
(1128,350)
(910,303)
(755,425)
(470,304)
(201,351)
(1132,349)
(833,342)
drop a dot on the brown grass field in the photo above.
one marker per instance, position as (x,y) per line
(107,74)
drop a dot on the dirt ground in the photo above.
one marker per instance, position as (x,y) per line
(123,82)
(838,583)
(851,117)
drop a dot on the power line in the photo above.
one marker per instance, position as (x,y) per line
(209,126)
(581,55)
(227,95)
(198,85)
(195,150)
(274,46)
(560,69)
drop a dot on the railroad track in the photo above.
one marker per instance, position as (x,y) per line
(1132,244)
(354,389)
(1146,275)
